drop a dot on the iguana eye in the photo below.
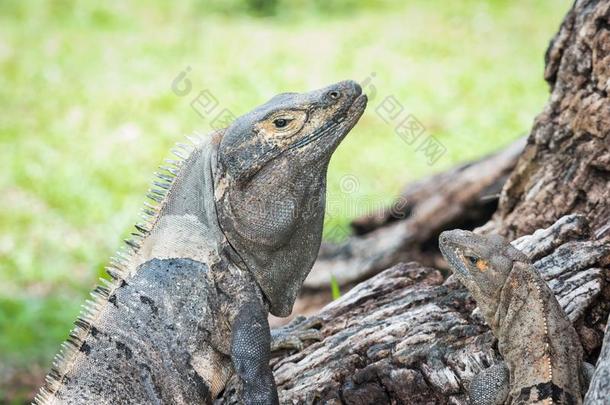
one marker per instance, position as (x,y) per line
(473,260)
(281,122)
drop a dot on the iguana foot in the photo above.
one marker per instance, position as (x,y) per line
(250,354)
(490,386)
(294,335)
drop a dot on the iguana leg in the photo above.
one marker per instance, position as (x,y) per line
(490,386)
(250,352)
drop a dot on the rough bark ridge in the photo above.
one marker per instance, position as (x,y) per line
(404,336)
(565,167)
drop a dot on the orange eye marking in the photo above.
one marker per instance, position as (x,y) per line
(482,265)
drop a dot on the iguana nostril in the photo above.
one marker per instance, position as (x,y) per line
(334,95)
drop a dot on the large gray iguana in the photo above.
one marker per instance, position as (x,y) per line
(543,357)
(237,229)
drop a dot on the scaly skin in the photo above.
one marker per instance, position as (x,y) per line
(541,350)
(236,231)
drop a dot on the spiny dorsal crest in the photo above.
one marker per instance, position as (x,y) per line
(118,269)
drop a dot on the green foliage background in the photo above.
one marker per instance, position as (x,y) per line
(87,113)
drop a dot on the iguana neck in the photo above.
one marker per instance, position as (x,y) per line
(186,225)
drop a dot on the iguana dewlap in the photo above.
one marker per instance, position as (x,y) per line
(236,231)
(543,357)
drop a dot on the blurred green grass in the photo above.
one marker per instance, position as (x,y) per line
(88,113)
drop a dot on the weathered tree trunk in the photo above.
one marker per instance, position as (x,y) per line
(409,336)
(565,167)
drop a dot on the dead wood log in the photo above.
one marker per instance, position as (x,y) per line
(404,336)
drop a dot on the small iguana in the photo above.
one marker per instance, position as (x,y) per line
(237,228)
(543,357)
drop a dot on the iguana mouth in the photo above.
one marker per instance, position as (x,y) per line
(355,111)
(451,252)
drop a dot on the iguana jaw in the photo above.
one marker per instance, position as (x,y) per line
(473,256)
(469,257)
(335,130)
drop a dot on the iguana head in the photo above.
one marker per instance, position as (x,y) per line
(270,183)
(481,263)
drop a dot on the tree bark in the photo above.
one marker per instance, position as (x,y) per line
(409,336)
(565,167)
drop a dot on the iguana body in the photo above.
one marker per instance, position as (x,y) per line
(541,350)
(232,239)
